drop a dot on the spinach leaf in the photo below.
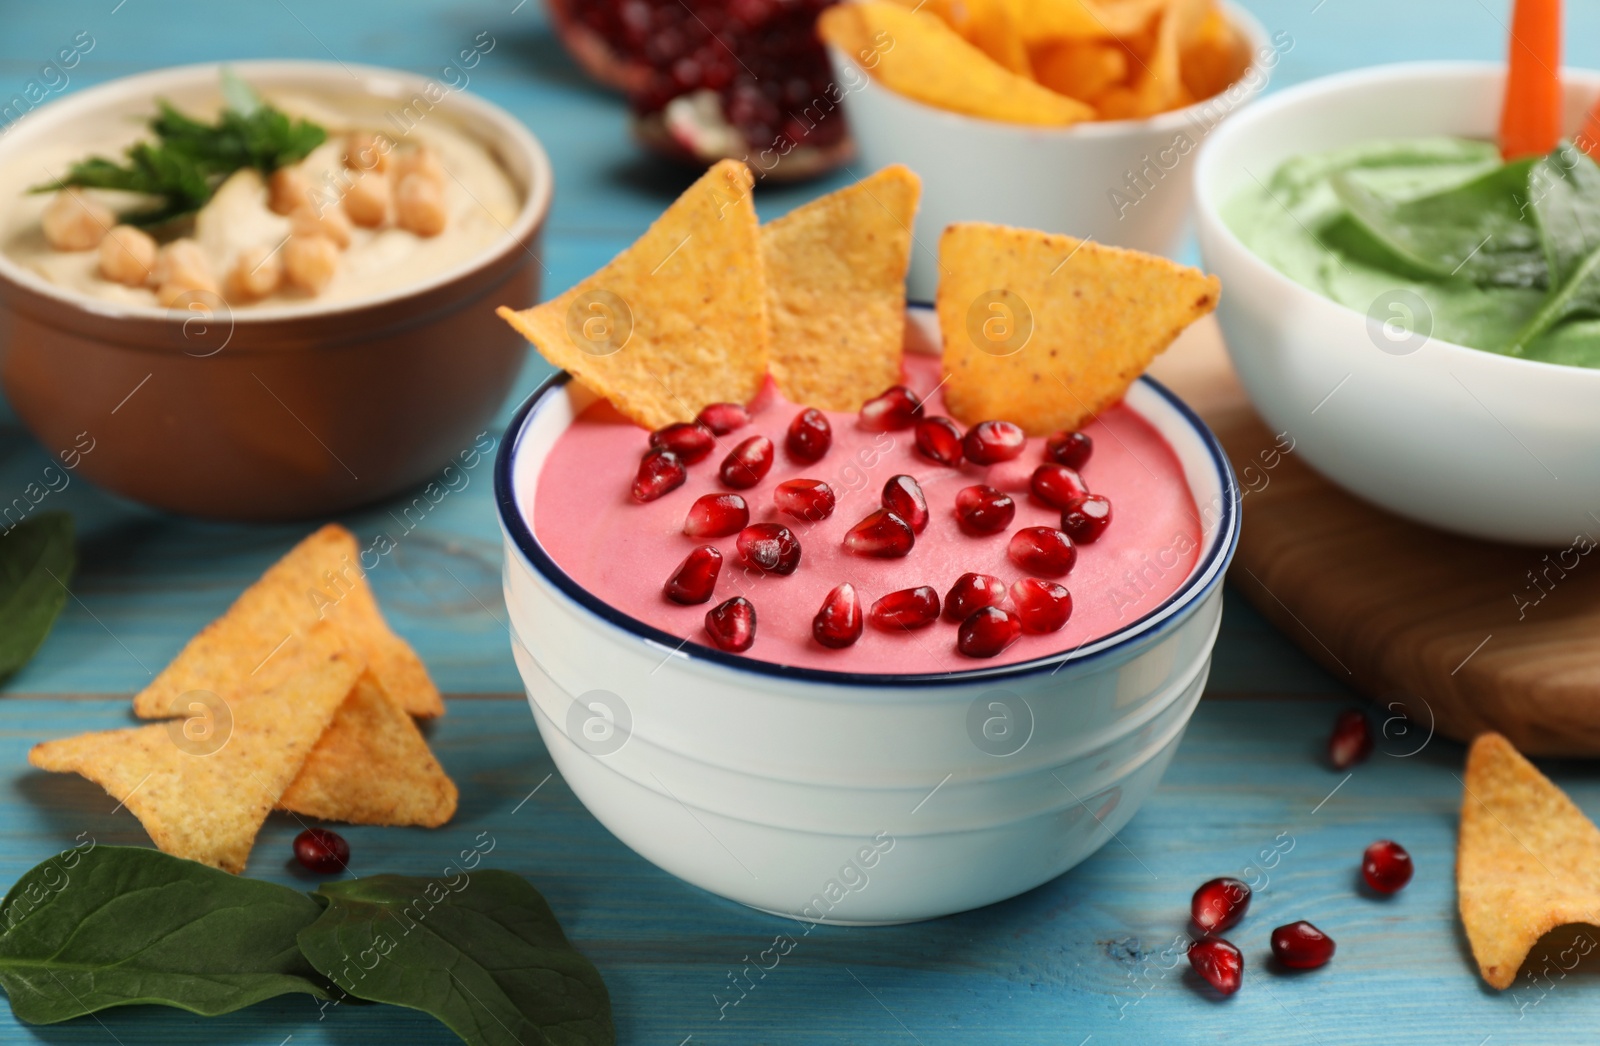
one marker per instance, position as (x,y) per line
(1479,231)
(106,926)
(1565,197)
(484,954)
(30,598)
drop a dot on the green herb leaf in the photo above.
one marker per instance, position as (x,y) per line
(190,158)
(1564,191)
(483,954)
(103,926)
(1479,231)
(36,564)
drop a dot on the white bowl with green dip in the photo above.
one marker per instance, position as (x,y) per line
(1423,319)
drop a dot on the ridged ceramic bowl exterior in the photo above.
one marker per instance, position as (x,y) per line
(853,797)
(1473,442)
(266,413)
(1123,182)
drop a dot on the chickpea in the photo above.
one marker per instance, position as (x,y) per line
(367,199)
(365,151)
(257,272)
(419,205)
(421,160)
(73,222)
(331,224)
(310,261)
(127,255)
(182,267)
(287,190)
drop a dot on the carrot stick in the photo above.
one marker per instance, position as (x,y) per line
(1589,138)
(1530,123)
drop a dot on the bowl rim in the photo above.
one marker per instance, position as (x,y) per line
(516,137)
(1206,574)
(1208,210)
(1171,120)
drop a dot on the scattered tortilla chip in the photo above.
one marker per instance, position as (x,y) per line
(1081,69)
(202,801)
(836,290)
(676,321)
(933,63)
(320,578)
(1047,330)
(372,766)
(1527,860)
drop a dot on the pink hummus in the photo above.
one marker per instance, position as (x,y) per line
(623,551)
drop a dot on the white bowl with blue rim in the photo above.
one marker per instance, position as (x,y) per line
(857,798)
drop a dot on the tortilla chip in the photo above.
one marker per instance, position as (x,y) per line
(1527,861)
(1081,69)
(676,321)
(1046,330)
(1046,21)
(931,62)
(992,26)
(1215,59)
(320,578)
(836,290)
(205,802)
(1157,75)
(372,766)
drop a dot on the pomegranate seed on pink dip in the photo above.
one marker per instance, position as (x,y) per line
(624,551)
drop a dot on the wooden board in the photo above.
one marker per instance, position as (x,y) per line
(1462,635)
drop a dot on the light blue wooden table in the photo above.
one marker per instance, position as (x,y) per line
(1085,959)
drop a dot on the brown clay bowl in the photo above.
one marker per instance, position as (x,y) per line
(279,412)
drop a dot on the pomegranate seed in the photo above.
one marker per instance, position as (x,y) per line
(690,440)
(716,516)
(731,625)
(1219,904)
(809,499)
(882,534)
(984,510)
(1071,449)
(322,851)
(1219,962)
(1057,485)
(660,471)
(906,609)
(1043,606)
(903,496)
(991,442)
(723,418)
(895,408)
(1301,946)
(1351,740)
(809,437)
(770,548)
(838,623)
(1042,550)
(973,592)
(939,440)
(695,577)
(1386,866)
(1087,518)
(748,463)
(987,631)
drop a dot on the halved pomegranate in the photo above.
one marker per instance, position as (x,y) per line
(716,78)
(748,463)
(882,534)
(839,622)
(991,442)
(973,592)
(660,471)
(810,500)
(902,495)
(988,632)
(731,625)
(810,435)
(770,548)
(716,516)
(1043,606)
(896,407)
(695,577)
(906,609)
(690,440)
(939,440)
(1042,550)
(984,510)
